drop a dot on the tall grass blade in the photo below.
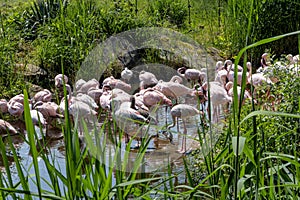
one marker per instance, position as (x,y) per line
(31,137)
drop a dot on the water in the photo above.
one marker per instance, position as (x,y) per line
(160,153)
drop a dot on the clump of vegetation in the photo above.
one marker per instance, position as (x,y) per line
(174,12)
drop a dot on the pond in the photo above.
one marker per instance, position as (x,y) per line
(159,155)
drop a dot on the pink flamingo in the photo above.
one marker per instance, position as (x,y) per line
(147,80)
(6,128)
(173,89)
(44,96)
(95,94)
(60,80)
(93,83)
(15,105)
(3,106)
(152,97)
(229,88)
(230,75)
(191,74)
(222,74)
(119,84)
(48,109)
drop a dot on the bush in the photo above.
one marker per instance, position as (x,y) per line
(275,18)
(169,10)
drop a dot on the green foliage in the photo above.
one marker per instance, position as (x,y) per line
(40,13)
(277,17)
(175,12)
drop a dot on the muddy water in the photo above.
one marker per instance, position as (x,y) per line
(159,154)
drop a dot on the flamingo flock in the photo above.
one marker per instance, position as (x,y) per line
(87,99)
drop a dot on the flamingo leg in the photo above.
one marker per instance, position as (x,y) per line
(166,115)
(183,144)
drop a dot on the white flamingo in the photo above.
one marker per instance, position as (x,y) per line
(218,97)
(126,118)
(126,74)
(37,117)
(219,65)
(182,111)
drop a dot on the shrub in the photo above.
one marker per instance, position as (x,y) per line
(174,12)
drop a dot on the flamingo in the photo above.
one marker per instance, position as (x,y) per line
(86,99)
(105,100)
(48,109)
(3,106)
(60,79)
(293,64)
(182,111)
(15,109)
(219,65)
(141,108)
(119,84)
(6,128)
(221,75)
(37,117)
(95,94)
(93,83)
(147,80)
(79,109)
(229,88)
(15,105)
(126,74)
(230,75)
(263,60)
(173,89)
(218,96)
(107,80)
(152,97)
(264,64)
(44,95)
(79,83)
(257,79)
(126,117)
(191,74)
